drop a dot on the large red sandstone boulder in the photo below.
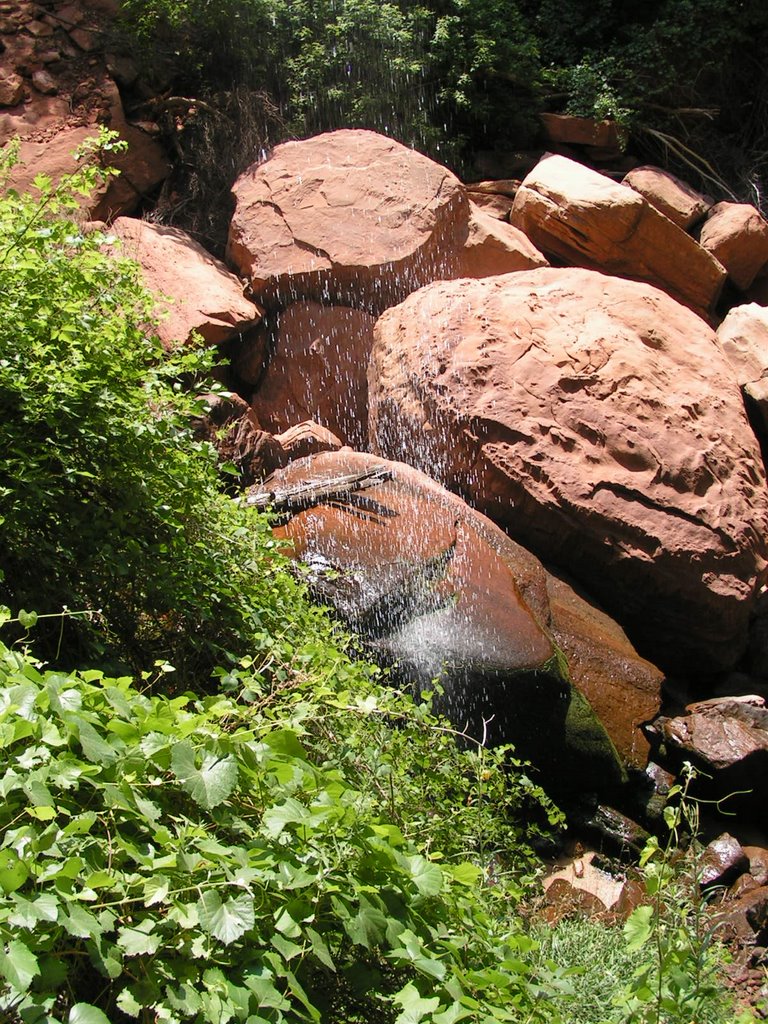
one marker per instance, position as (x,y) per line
(354,218)
(194,291)
(442,590)
(600,422)
(670,195)
(737,235)
(318,371)
(586,219)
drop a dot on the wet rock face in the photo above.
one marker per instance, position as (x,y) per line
(349,217)
(599,421)
(352,218)
(727,739)
(439,589)
(317,371)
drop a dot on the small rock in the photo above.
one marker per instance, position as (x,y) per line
(758,863)
(744,920)
(583,131)
(305,439)
(11,89)
(86,40)
(39,29)
(737,235)
(722,861)
(44,82)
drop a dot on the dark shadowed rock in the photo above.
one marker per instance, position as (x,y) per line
(439,589)
(727,739)
(318,371)
(231,427)
(599,421)
(722,861)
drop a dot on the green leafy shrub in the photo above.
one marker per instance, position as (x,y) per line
(107,505)
(209,860)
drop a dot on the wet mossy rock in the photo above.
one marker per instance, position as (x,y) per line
(437,590)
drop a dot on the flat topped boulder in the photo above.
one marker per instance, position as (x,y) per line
(600,422)
(352,218)
(336,212)
(586,219)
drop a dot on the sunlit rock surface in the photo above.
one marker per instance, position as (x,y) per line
(317,370)
(439,589)
(737,235)
(584,218)
(193,290)
(600,422)
(354,218)
(671,196)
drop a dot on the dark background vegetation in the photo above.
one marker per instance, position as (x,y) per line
(686,78)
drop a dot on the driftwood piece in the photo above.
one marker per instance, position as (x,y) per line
(288,502)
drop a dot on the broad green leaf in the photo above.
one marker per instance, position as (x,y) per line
(638,928)
(466,873)
(94,747)
(211,783)
(427,876)
(291,812)
(226,920)
(414,1007)
(137,941)
(287,949)
(18,965)
(368,927)
(13,871)
(85,1013)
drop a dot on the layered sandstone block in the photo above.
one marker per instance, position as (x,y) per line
(584,218)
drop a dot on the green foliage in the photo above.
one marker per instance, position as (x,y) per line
(107,505)
(217,859)
(677,978)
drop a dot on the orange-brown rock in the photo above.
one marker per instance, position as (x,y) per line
(349,217)
(193,290)
(306,439)
(737,235)
(495,205)
(317,371)
(353,218)
(584,218)
(493,247)
(583,131)
(600,422)
(669,194)
(442,587)
(51,128)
